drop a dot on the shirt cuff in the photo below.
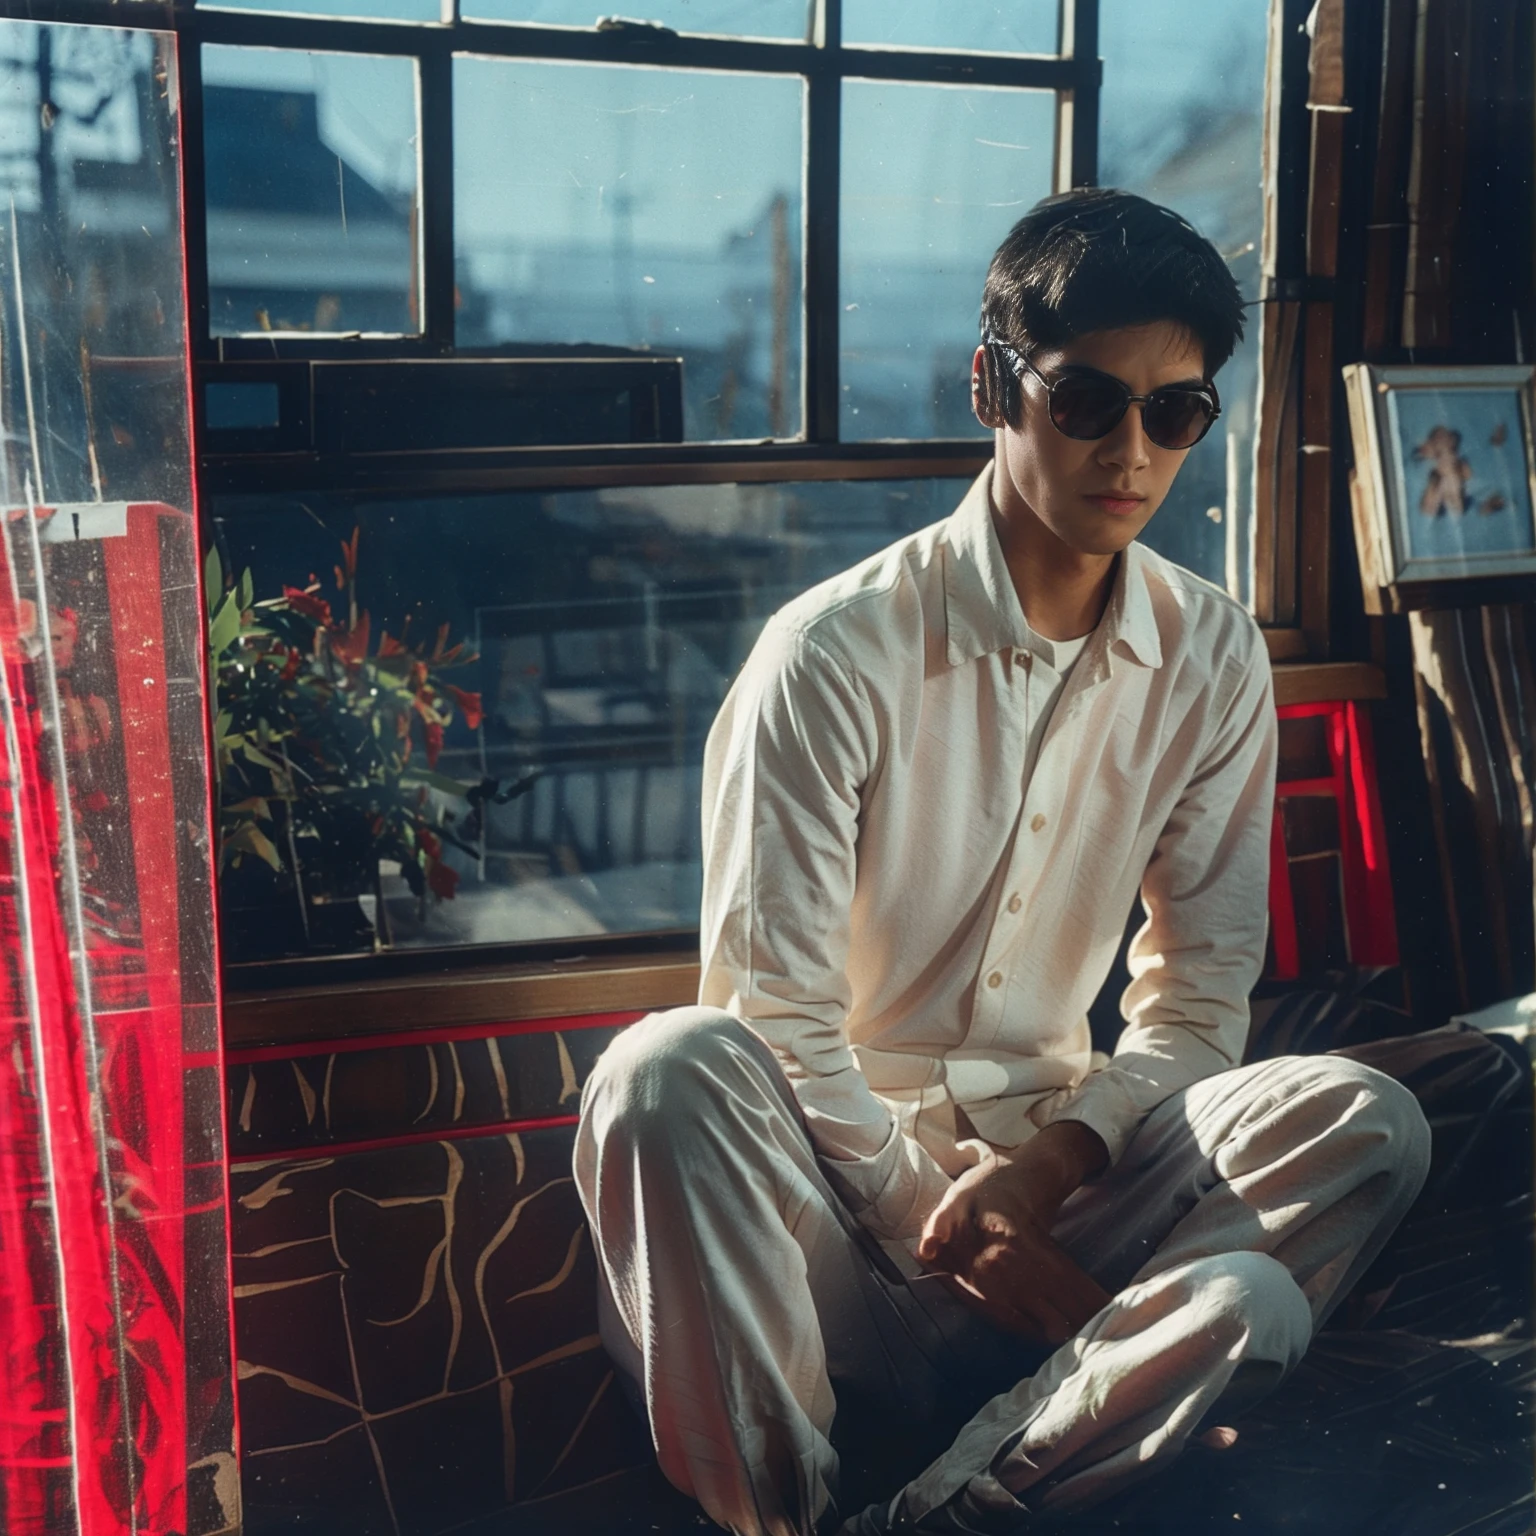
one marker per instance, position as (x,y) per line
(892,1193)
(1106,1108)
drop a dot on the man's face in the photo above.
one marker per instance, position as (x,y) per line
(1095,497)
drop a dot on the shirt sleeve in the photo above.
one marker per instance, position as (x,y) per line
(1206,894)
(788,755)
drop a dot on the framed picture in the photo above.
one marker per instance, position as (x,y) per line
(1446,476)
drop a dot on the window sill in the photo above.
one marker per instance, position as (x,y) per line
(472,995)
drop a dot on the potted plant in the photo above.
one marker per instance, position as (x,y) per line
(327,740)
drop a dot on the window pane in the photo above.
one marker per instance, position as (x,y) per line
(933,177)
(88,169)
(735,18)
(608,626)
(648,208)
(1020,26)
(364,10)
(311,176)
(1182,123)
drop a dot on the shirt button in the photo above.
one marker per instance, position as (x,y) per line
(1021,658)
(995,979)
(1037,824)
(1014,902)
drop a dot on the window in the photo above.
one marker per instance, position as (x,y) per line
(539,360)
(1181,122)
(932,178)
(310,169)
(604,627)
(654,209)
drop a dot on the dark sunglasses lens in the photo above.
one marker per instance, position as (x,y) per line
(1087,408)
(1177,418)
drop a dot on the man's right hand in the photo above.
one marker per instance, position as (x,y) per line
(991,1236)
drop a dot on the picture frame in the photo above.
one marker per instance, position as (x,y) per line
(1445,473)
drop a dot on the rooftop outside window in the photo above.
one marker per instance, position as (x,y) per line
(311,165)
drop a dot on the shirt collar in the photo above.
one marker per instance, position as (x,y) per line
(981,609)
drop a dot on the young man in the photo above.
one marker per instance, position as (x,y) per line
(878,1184)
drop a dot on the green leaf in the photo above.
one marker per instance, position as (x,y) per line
(250,839)
(254,754)
(224,627)
(253,805)
(438,781)
(263,846)
(247,589)
(213,577)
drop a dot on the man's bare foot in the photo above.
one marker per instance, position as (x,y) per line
(1219,1437)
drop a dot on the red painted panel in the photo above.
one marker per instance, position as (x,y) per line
(97,1183)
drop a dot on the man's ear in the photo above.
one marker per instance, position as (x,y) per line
(986,390)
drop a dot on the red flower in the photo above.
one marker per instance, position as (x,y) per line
(434,743)
(353,646)
(443,879)
(470,704)
(308,604)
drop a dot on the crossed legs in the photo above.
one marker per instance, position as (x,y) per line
(748,1309)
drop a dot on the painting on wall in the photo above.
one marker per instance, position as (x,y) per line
(1444,467)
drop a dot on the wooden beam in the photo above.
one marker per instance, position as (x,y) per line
(469,996)
(1323,682)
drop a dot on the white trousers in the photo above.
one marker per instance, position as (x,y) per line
(747,1308)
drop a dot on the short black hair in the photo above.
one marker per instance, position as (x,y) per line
(1096,259)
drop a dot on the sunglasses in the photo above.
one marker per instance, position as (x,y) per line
(1088,405)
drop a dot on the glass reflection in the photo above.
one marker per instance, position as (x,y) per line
(116,1387)
(604,628)
(311,171)
(96,237)
(1181,121)
(646,208)
(1022,26)
(933,177)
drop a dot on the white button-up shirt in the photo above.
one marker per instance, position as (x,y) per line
(916,879)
